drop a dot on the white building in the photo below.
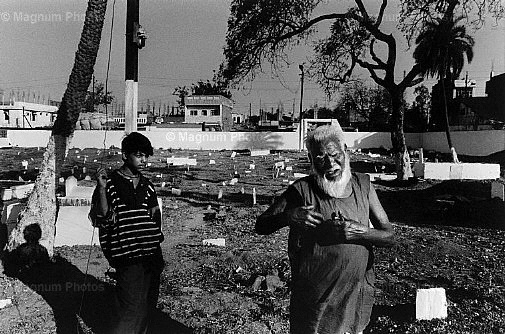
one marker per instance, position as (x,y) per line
(27,115)
(237,118)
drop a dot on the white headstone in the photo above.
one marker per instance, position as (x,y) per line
(256,153)
(431,304)
(497,190)
(214,242)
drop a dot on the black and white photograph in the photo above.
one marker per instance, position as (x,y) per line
(252,166)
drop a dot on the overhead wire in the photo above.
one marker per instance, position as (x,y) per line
(101,160)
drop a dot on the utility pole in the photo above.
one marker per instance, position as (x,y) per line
(135,40)
(93,93)
(250,112)
(466,85)
(301,107)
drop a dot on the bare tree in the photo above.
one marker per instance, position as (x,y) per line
(263,30)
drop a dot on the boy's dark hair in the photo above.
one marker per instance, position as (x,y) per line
(136,142)
(32,233)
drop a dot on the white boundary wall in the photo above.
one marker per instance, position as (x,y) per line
(476,143)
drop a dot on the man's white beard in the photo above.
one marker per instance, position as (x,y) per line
(334,188)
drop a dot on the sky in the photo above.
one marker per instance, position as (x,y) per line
(38,40)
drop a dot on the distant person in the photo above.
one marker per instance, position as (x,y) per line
(29,254)
(125,208)
(330,241)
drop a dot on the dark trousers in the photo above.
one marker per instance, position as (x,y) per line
(137,290)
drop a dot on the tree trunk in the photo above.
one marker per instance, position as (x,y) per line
(447,126)
(402,158)
(42,204)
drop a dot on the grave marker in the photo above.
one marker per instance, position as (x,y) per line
(431,304)
(256,153)
(497,190)
(220,242)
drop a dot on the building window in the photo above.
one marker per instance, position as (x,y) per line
(6,115)
(215,112)
(33,117)
(204,112)
(193,112)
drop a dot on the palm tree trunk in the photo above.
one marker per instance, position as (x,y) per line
(42,204)
(447,126)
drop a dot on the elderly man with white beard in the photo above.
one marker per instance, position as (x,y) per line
(330,215)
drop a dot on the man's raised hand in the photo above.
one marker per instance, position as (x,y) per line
(305,217)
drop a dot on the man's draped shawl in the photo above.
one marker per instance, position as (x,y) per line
(332,282)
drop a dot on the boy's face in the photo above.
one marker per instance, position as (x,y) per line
(135,161)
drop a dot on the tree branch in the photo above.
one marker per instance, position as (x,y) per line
(374,55)
(410,79)
(371,69)
(308,25)
(381,13)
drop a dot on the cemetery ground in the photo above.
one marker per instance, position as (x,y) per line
(450,234)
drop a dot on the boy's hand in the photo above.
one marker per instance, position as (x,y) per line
(101,177)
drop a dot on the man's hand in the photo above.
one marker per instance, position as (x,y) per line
(305,217)
(101,177)
(350,229)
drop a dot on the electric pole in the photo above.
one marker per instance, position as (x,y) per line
(135,40)
(301,107)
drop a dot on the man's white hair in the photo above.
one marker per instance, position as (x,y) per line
(324,134)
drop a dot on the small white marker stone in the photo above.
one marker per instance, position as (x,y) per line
(431,304)
(5,302)
(214,242)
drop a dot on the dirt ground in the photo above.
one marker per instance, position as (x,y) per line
(450,234)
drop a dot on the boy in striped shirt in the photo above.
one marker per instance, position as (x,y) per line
(125,208)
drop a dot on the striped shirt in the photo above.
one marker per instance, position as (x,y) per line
(128,234)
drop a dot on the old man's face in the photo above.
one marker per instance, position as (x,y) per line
(332,168)
(329,160)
